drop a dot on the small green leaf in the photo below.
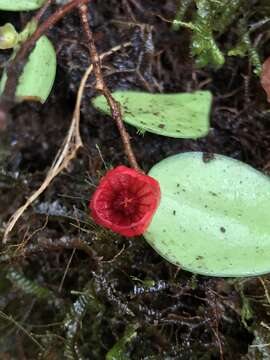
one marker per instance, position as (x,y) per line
(20,5)
(28,30)
(184,115)
(38,75)
(214,215)
(8,36)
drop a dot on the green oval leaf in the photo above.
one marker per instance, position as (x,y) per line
(184,115)
(38,75)
(214,216)
(20,5)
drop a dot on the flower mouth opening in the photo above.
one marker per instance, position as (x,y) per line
(125,201)
(126,205)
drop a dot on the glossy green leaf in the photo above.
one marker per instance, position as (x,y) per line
(214,216)
(20,5)
(38,75)
(184,115)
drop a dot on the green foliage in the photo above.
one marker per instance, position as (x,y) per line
(20,5)
(184,115)
(28,30)
(211,19)
(73,324)
(213,216)
(27,286)
(204,47)
(246,308)
(118,351)
(181,13)
(73,321)
(38,75)
(244,47)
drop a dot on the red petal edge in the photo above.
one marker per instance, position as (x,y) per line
(144,192)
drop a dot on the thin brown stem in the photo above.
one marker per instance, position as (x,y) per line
(15,67)
(42,11)
(102,87)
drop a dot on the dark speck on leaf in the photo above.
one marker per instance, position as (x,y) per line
(207,157)
(161,126)
(199,257)
(174,212)
(222,229)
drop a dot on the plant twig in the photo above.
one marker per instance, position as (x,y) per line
(42,11)
(102,87)
(265,289)
(66,270)
(15,67)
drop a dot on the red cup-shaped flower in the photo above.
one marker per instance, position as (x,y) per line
(125,201)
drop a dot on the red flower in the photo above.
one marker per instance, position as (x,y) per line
(125,201)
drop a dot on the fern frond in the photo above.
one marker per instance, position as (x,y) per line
(27,286)
(73,324)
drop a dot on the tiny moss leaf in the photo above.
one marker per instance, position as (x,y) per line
(184,115)
(213,218)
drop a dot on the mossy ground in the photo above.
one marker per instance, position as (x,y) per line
(69,289)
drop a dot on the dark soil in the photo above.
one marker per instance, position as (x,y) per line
(121,283)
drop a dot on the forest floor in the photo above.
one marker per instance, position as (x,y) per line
(70,289)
